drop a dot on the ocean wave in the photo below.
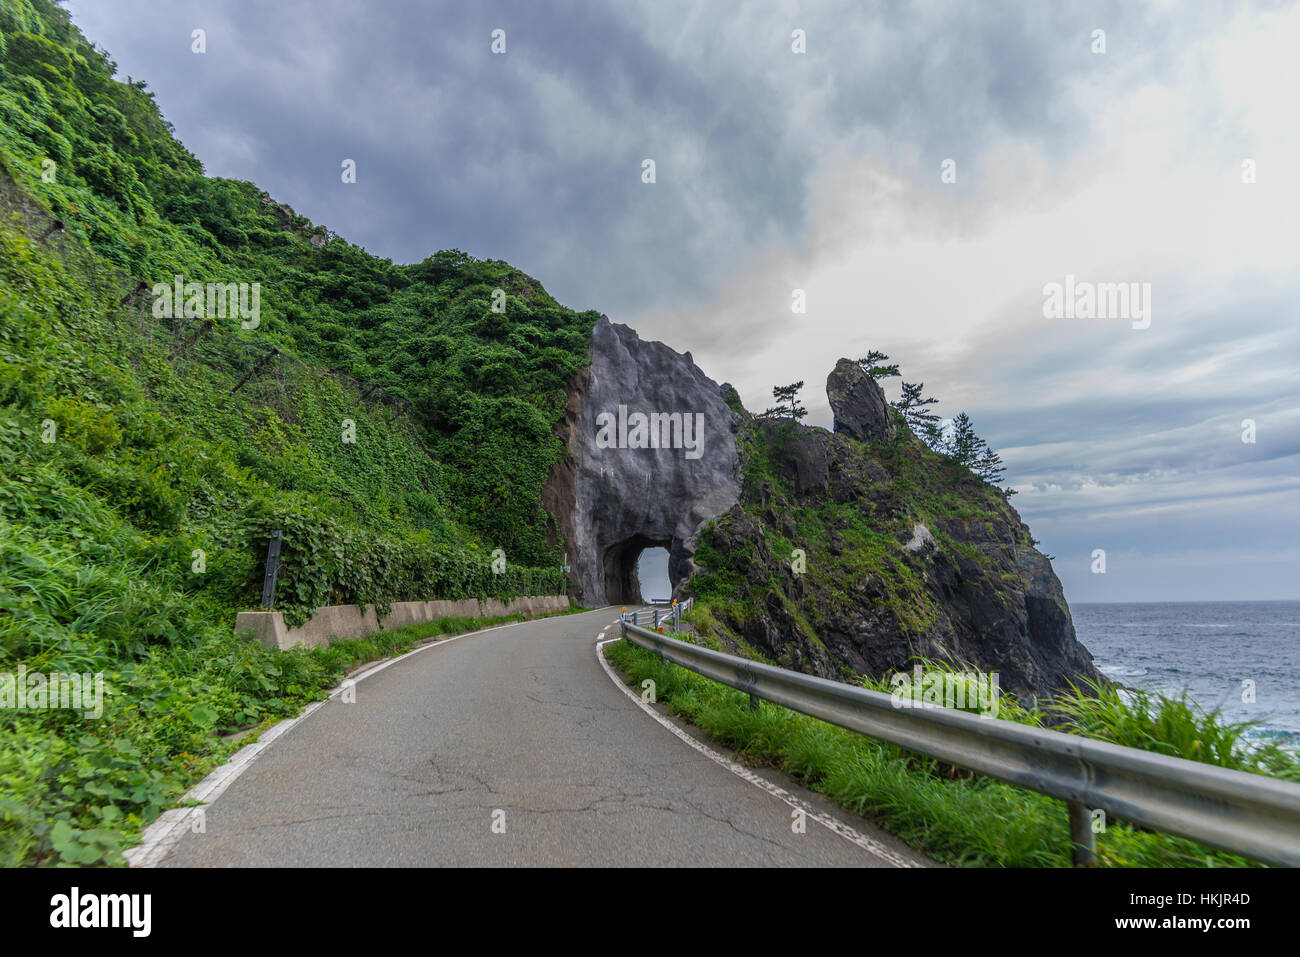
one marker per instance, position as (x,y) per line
(1202,651)
(1286,737)
(1121,671)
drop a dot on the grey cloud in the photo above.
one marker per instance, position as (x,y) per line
(457,147)
(535,157)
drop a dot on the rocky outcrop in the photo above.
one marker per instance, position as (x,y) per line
(853,552)
(849,558)
(651,457)
(858,404)
(285,217)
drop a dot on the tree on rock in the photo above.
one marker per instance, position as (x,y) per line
(916,413)
(783,394)
(872,365)
(961,444)
(989,467)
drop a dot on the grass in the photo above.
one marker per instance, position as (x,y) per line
(1174,726)
(80,792)
(956,817)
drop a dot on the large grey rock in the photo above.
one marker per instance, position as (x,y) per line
(611,502)
(966,587)
(858,403)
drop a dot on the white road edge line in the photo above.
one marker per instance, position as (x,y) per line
(163,834)
(833,824)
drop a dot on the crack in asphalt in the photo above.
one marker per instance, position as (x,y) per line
(541,743)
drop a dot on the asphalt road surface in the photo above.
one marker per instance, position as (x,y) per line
(507,748)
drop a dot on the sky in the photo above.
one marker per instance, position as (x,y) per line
(923,172)
(652,574)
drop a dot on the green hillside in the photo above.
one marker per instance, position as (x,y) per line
(385,417)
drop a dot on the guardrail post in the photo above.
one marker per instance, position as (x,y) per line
(272,570)
(1082,839)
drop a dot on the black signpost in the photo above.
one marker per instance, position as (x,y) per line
(272,570)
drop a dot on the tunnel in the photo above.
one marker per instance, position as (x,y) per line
(622,585)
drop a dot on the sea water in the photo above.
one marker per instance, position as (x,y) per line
(1211,649)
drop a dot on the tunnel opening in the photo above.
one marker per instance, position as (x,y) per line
(652,575)
(623,568)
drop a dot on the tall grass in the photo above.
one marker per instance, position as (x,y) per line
(1177,727)
(957,817)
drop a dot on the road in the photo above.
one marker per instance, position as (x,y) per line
(511,747)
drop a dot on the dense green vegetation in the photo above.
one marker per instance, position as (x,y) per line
(393,424)
(951,814)
(923,485)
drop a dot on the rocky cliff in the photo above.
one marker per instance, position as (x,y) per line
(852,552)
(860,551)
(651,457)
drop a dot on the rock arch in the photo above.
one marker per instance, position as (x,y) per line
(622,585)
(608,503)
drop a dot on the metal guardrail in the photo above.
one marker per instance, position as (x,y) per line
(1247,814)
(654,617)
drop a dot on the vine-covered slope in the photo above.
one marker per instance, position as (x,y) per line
(393,424)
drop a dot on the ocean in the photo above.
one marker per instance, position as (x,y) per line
(1209,648)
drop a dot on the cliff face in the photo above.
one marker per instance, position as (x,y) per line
(839,553)
(651,457)
(850,556)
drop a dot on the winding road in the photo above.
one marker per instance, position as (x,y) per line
(512,746)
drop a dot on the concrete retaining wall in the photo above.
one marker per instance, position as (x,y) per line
(356,621)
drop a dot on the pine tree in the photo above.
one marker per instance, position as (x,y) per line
(963,444)
(871,365)
(966,448)
(989,466)
(918,417)
(787,393)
